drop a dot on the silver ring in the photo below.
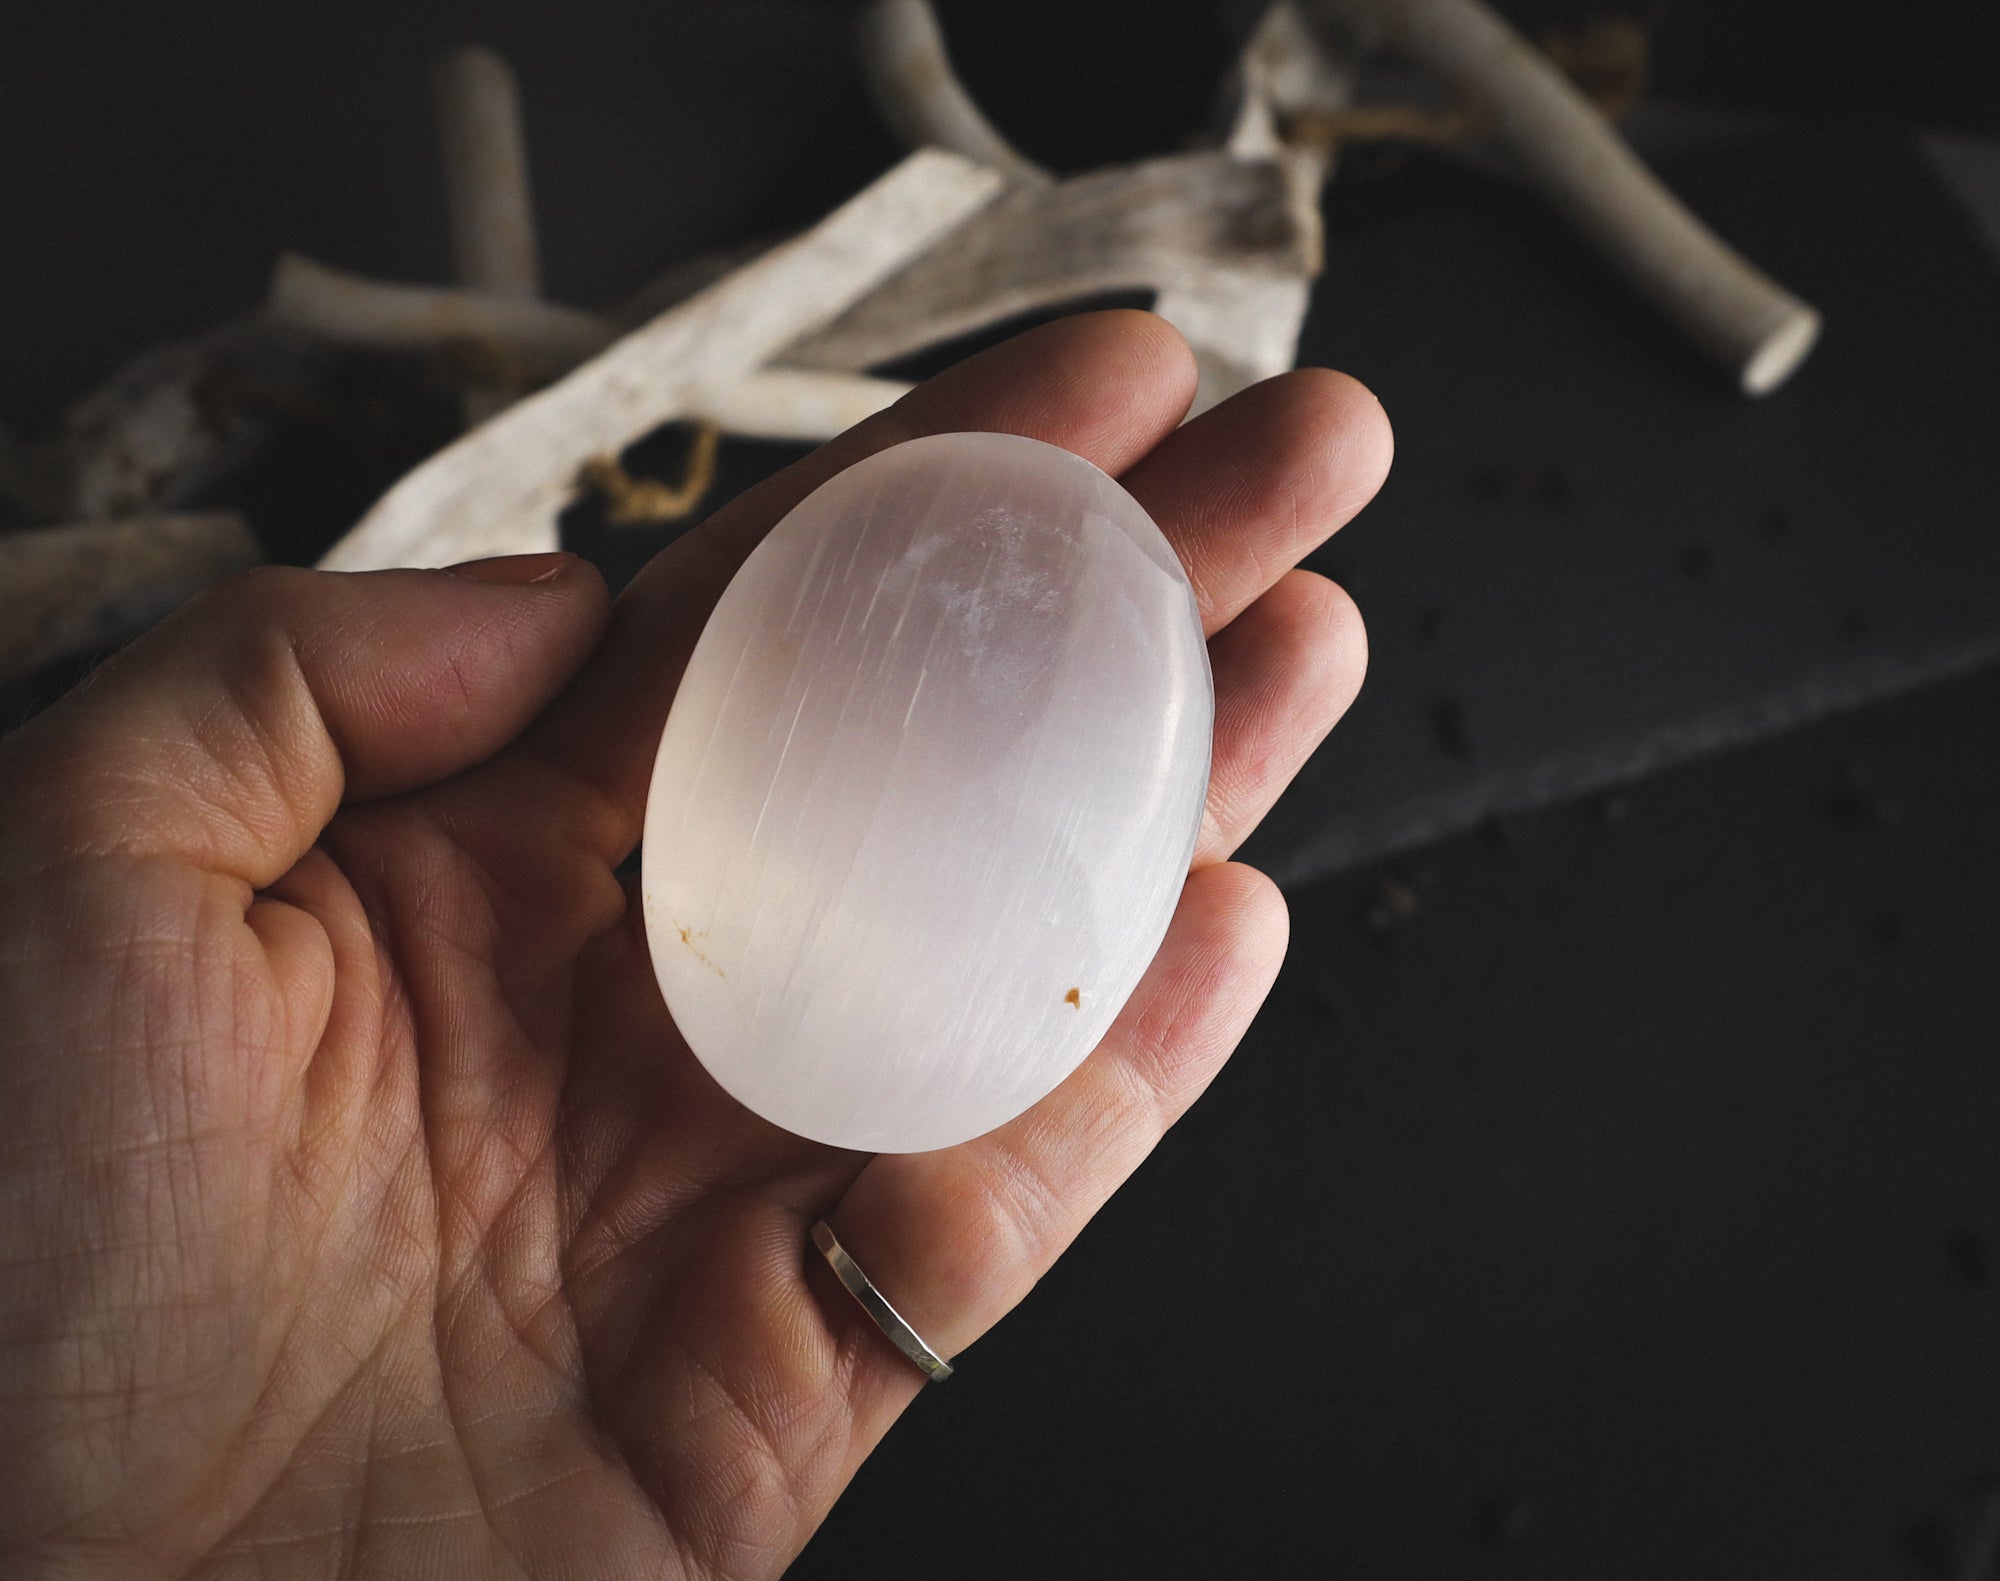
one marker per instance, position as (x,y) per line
(876,1305)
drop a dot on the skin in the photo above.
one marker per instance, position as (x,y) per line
(361,1211)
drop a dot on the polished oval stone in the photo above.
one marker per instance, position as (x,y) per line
(928,792)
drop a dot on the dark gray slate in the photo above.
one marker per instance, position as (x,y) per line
(1593,557)
(1624,1203)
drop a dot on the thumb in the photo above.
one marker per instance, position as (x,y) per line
(228,736)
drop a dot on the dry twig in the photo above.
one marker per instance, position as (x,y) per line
(166,424)
(1228,242)
(350,310)
(498,489)
(919,94)
(88,585)
(1244,324)
(486,189)
(543,341)
(1735,313)
(1159,224)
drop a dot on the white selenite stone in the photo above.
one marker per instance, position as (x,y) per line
(928,792)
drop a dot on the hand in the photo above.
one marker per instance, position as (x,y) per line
(361,1210)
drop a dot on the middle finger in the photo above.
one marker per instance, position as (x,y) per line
(1246,491)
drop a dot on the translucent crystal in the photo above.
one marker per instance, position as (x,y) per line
(928,792)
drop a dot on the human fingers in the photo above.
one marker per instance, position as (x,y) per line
(228,736)
(1107,386)
(1285,669)
(1248,489)
(955,1238)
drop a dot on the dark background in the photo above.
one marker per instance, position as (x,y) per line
(1609,1189)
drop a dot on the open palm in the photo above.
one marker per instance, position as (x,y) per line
(361,1210)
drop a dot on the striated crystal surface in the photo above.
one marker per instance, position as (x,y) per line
(928,792)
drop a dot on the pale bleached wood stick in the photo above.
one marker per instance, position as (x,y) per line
(352,310)
(172,420)
(1167,224)
(1285,71)
(1740,317)
(547,340)
(1243,325)
(485,159)
(1230,244)
(1108,231)
(68,589)
(497,490)
(910,74)
(802,405)
(1156,225)
(674,285)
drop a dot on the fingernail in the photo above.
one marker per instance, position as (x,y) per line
(518,569)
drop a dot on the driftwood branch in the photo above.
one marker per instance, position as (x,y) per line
(485,174)
(168,423)
(1243,324)
(88,585)
(674,285)
(1161,223)
(544,341)
(1734,312)
(485,162)
(1229,243)
(498,489)
(1176,226)
(351,310)
(805,405)
(915,87)
(1286,74)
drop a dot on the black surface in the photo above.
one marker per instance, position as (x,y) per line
(1629,1207)
(1593,556)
